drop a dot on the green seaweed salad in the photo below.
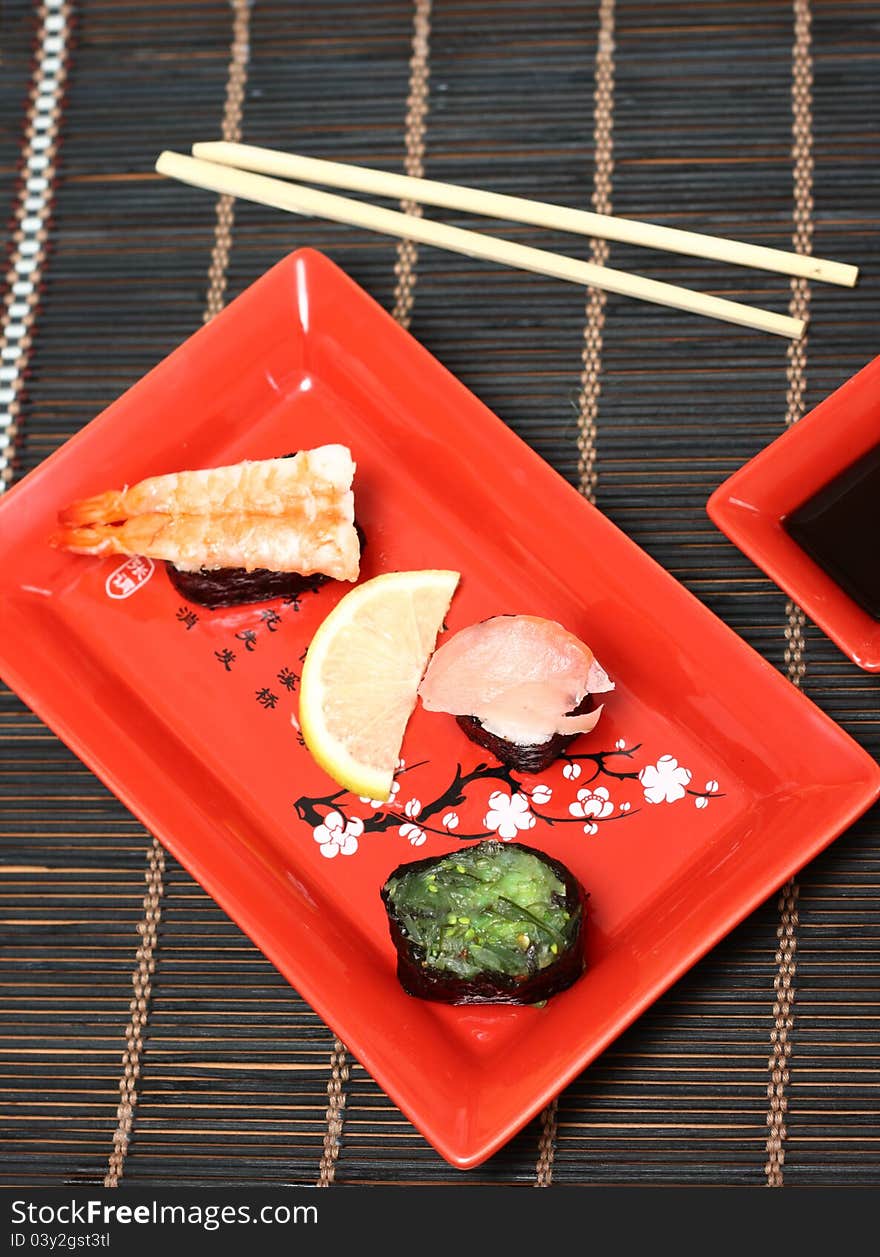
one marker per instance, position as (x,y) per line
(493,913)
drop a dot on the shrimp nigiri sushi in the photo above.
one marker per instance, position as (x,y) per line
(243,533)
(520,686)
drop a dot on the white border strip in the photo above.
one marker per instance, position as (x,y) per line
(33,208)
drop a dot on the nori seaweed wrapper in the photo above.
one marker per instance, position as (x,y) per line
(523,759)
(486,974)
(234,586)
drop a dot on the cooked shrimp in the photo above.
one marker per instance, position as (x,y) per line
(283,514)
(250,541)
(270,486)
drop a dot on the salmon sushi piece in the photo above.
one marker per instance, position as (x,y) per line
(254,530)
(520,686)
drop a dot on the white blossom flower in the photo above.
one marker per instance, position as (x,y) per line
(542,794)
(508,814)
(571,771)
(591,828)
(620,744)
(412,808)
(624,807)
(449,820)
(389,802)
(338,836)
(702,800)
(412,833)
(665,781)
(592,803)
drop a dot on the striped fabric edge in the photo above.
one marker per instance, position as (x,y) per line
(31,216)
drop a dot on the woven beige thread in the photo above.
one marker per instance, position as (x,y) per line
(141,978)
(335,1114)
(141,981)
(34,196)
(780,1035)
(590,383)
(795,649)
(404,297)
(414,162)
(547,1145)
(232,114)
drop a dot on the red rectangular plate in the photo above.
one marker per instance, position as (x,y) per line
(707,783)
(750,505)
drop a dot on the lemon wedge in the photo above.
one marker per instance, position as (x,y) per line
(362,671)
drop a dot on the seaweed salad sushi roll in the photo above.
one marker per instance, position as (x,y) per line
(494,923)
(520,686)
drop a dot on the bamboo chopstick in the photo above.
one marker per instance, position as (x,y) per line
(268,161)
(340,209)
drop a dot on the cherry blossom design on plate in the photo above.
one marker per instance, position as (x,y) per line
(592,803)
(589,790)
(338,835)
(413,833)
(381,803)
(702,800)
(666,781)
(508,814)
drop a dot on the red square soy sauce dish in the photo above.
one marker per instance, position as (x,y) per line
(687,807)
(804,473)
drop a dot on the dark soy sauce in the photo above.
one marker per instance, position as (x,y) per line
(840,528)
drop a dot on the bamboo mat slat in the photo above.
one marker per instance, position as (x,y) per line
(234,1076)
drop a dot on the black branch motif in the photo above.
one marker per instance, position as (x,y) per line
(314,811)
(385,818)
(600,761)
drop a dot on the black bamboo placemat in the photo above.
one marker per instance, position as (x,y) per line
(681,113)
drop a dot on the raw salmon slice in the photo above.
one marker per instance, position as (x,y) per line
(519,675)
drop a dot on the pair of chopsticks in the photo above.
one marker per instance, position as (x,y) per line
(243,170)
